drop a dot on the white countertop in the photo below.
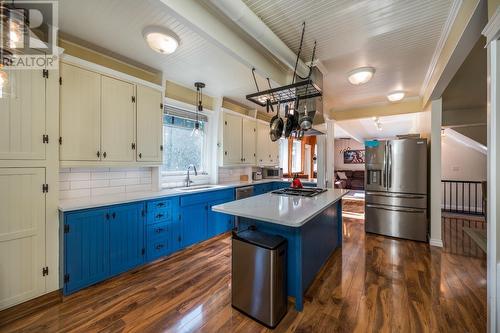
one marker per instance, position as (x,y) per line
(292,211)
(106,200)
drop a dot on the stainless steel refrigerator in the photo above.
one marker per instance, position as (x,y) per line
(396,188)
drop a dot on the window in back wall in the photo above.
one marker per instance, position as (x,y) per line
(182,147)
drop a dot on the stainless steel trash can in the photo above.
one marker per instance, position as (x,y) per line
(259,276)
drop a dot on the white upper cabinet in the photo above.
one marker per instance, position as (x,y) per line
(117,120)
(149,124)
(247,141)
(267,151)
(107,119)
(249,135)
(80,115)
(22,116)
(232,139)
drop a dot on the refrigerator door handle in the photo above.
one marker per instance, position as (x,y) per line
(397,195)
(384,175)
(389,166)
(404,210)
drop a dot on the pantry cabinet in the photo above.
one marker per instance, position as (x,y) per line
(108,120)
(149,124)
(22,116)
(267,151)
(22,234)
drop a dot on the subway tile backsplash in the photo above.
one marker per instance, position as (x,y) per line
(89,182)
(232,174)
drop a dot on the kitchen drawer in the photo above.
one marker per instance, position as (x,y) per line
(158,248)
(193,199)
(401,222)
(162,204)
(160,215)
(158,231)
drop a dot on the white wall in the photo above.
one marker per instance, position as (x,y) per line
(339,158)
(459,162)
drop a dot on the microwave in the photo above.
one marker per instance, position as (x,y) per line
(272,173)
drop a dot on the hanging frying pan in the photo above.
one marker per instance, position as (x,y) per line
(276,125)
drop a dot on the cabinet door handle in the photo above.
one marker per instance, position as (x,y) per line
(140,155)
(159,230)
(98,153)
(160,204)
(107,216)
(104,154)
(179,238)
(159,246)
(113,215)
(133,146)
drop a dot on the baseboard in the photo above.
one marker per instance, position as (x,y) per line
(24,309)
(436,242)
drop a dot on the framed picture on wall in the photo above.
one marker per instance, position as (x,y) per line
(354,157)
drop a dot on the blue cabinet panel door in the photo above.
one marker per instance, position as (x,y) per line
(218,223)
(194,223)
(126,237)
(86,249)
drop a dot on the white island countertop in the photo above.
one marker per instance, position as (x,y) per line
(291,211)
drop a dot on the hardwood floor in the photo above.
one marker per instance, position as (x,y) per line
(372,284)
(455,240)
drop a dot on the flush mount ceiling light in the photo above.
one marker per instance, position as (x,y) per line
(361,75)
(161,40)
(396,96)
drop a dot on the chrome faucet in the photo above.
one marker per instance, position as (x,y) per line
(188,180)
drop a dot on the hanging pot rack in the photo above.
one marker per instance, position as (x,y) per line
(296,91)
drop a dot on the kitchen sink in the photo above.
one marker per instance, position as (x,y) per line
(197,188)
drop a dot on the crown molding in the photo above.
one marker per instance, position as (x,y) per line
(492,29)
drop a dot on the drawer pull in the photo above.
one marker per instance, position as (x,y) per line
(159,230)
(160,204)
(159,216)
(159,246)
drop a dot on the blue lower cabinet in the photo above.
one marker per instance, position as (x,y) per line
(102,242)
(86,249)
(219,223)
(194,223)
(126,226)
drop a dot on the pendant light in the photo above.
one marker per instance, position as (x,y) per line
(199,107)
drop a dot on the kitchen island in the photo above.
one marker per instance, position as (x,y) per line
(311,225)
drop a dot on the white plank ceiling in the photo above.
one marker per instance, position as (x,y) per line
(116,25)
(397,37)
(363,129)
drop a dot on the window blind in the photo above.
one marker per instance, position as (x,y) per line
(183,113)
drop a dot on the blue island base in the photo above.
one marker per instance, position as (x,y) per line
(309,246)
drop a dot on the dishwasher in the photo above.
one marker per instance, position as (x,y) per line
(258,276)
(242,193)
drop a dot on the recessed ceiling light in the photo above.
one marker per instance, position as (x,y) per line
(361,75)
(396,96)
(161,40)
